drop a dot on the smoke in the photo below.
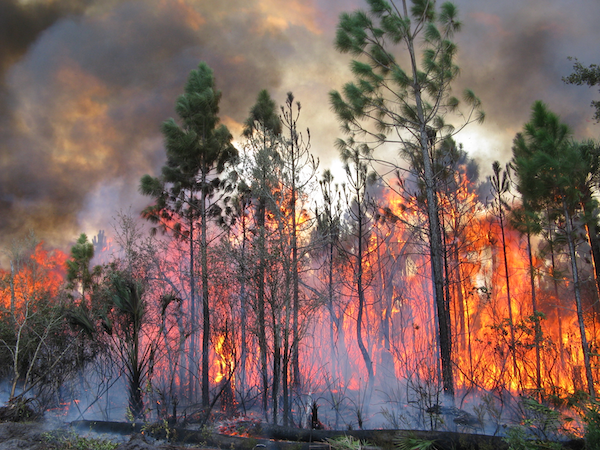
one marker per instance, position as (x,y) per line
(520,56)
(85,92)
(21,24)
(85,85)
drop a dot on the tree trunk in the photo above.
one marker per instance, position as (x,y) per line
(537,326)
(592,234)
(262,337)
(285,378)
(435,236)
(276,366)
(205,299)
(361,300)
(193,319)
(295,280)
(558,309)
(437,262)
(577,289)
(136,403)
(243,300)
(511,323)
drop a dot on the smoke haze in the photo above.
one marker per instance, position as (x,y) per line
(85,85)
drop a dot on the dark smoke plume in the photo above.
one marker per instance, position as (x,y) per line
(85,92)
(85,85)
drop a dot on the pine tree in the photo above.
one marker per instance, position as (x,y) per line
(263,130)
(586,75)
(198,151)
(500,186)
(299,167)
(79,275)
(387,103)
(354,157)
(550,171)
(328,232)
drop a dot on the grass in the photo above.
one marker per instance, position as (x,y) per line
(60,440)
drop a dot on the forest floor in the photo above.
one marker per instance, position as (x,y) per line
(55,436)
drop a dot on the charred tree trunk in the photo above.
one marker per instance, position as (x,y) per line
(295,280)
(285,369)
(357,174)
(436,249)
(285,379)
(136,403)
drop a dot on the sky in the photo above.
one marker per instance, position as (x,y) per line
(86,84)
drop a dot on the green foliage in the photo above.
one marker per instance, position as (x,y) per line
(382,86)
(38,350)
(129,416)
(60,440)
(585,75)
(160,430)
(412,442)
(263,116)
(347,443)
(590,413)
(541,427)
(128,297)
(546,164)
(543,421)
(79,275)
(196,148)
(123,320)
(491,408)
(517,438)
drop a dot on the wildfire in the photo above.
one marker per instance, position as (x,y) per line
(33,277)
(491,352)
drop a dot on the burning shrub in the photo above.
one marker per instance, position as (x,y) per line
(38,350)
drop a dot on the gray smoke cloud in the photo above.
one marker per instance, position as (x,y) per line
(85,85)
(512,56)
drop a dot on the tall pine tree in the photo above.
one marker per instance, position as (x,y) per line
(550,171)
(186,193)
(398,98)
